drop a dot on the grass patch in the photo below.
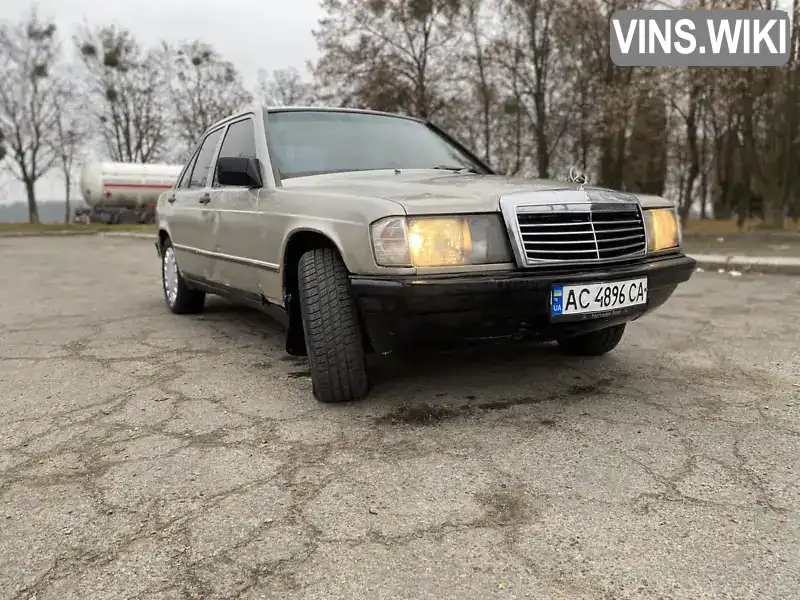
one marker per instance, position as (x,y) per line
(34,228)
(745,246)
(730,226)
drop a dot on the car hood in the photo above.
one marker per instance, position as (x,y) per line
(427,192)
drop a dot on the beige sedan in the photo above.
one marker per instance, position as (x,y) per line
(364,231)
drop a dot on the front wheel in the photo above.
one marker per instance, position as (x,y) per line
(331,327)
(178,296)
(594,343)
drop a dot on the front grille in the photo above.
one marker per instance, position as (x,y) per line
(582,235)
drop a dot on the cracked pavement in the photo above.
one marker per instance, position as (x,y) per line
(145,455)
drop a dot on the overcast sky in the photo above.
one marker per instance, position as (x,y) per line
(253,34)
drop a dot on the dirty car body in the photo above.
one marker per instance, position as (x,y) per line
(364,231)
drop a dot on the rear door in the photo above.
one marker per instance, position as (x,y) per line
(178,218)
(239,231)
(194,212)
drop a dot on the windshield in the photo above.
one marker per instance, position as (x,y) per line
(315,142)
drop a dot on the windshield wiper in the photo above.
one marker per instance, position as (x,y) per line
(457,169)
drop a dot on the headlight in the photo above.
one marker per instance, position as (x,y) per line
(663,229)
(440,241)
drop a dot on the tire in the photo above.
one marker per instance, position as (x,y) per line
(595,343)
(331,328)
(127,217)
(178,296)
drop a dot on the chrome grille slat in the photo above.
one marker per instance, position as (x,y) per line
(559,242)
(620,239)
(565,224)
(625,247)
(545,233)
(599,232)
(592,251)
(618,230)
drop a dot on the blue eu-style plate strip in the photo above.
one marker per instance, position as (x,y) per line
(558,300)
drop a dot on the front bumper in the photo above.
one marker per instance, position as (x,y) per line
(397,310)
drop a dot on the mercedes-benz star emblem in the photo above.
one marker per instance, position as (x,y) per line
(576,176)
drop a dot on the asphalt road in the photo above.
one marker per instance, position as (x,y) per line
(150,456)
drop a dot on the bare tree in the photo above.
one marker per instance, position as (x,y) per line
(71,133)
(4,65)
(538,46)
(29,101)
(126,88)
(284,87)
(204,88)
(771,112)
(479,65)
(530,84)
(646,160)
(389,54)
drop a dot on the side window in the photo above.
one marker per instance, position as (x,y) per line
(183,183)
(240,141)
(203,162)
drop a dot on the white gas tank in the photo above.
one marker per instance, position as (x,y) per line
(129,185)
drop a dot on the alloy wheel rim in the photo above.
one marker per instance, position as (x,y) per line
(170,273)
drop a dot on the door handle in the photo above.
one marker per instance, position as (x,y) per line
(171,199)
(205,199)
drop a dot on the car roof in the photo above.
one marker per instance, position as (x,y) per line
(364,111)
(298,108)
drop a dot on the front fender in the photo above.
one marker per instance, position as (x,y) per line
(326,229)
(342,218)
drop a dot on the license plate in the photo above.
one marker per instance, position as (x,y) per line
(582,299)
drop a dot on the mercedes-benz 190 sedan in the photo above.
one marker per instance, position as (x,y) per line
(364,231)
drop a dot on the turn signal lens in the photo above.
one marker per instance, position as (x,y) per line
(663,229)
(389,242)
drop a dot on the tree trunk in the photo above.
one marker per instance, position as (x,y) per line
(619,159)
(724,203)
(694,153)
(612,160)
(774,210)
(66,197)
(704,194)
(744,191)
(704,174)
(607,161)
(33,210)
(688,193)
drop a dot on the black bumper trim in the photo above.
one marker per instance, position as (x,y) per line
(498,304)
(661,272)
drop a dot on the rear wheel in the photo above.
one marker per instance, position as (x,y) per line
(178,296)
(331,327)
(595,343)
(127,217)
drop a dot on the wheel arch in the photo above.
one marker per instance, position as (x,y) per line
(298,242)
(163,236)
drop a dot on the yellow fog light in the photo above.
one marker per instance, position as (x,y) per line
(663,229)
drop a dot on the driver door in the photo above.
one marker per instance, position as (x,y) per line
(239,231)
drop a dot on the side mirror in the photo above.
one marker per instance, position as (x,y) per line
(239,172)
